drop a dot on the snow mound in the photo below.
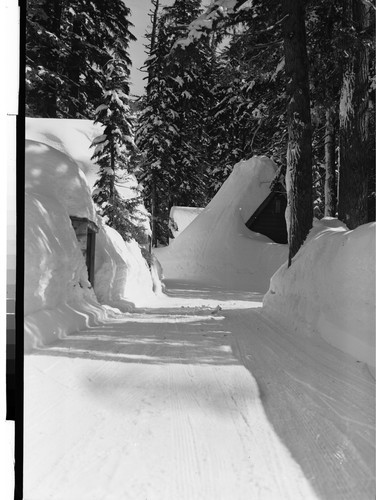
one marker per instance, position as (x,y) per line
(51,172)
(330,288)
(72,137)
(217,248)
(122,276)
(58,297)
(181,217)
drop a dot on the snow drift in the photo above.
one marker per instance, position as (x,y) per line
(58,298)
(330,288)
(122,276)
(217,248)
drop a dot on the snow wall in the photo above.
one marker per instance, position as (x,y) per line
(330,288)
(58,298)
(217,248)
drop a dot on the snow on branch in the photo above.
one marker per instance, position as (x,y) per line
(218,9)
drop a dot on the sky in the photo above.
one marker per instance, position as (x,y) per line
(141,21)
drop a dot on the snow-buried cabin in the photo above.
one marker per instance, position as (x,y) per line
(269,218)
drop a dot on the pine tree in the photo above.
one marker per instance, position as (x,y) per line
(171,133)
(113,153)
(249,113)
(67,45)
(43,57)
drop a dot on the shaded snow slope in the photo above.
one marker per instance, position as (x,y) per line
(122,276)
(217,248)
(182,217)
(330,288)
(57,294)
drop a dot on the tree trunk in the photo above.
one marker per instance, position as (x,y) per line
(353,134)
(299,149)
(154,236)
(330,166)
(113,167)
(154,20)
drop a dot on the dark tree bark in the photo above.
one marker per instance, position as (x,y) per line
(330,166)
(299,149)
(154,215)
(153,195)
(353,134)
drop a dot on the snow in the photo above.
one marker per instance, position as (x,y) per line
(57,294)
(123,279)
(72,137)
(330,288)
(217,248)
(205,391)
(58,297)
(52,173)
(182,217)
(197,402)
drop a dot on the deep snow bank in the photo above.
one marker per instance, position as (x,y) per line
(58,296)
(72,137)
(54,174)
(122,276)
(217,248)
(330,288)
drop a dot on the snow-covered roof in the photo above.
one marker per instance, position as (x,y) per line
(217,247)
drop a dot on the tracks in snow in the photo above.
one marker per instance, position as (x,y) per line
(164,405)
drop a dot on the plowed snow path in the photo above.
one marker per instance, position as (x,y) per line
(164,404)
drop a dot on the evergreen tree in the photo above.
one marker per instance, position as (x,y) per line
(67,45)
(171,133)
(248,117)
(113,153)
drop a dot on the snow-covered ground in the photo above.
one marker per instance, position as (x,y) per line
(212,401)
(207,391)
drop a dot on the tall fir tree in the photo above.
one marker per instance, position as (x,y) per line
(113,152)
(67,45)
(171,133)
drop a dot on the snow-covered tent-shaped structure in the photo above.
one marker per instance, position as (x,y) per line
(217,247)
(269,218)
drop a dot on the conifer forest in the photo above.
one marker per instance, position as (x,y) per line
(293,80)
